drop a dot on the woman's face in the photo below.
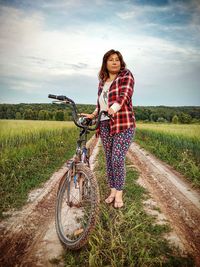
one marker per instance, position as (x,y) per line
(113,64)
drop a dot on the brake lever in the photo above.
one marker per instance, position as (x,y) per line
(61,102)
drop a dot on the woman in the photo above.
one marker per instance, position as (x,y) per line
(115,96)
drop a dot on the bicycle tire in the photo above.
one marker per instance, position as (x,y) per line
(71,217)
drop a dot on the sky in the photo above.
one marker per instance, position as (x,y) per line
(57,47)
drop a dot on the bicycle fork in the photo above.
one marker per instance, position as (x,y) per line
(75,186)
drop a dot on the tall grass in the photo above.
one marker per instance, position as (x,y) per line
(19,132)
(126,237)
(30,152)
(184,130)
(178,145)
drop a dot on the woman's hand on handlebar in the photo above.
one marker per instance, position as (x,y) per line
(89,116)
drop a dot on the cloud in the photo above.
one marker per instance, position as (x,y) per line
(135,11)
(27,47)
(176,21)
(176,8)
(37,57)
(64,4)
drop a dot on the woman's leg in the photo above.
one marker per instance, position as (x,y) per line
(107,145)
(121,143)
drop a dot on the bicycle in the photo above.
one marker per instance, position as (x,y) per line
(77,202)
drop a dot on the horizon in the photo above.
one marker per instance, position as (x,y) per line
(60,44)
(23,103)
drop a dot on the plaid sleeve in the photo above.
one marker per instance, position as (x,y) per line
(125,89)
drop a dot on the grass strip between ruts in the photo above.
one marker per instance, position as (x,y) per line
(126,237)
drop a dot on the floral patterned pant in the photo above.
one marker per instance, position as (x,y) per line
(115,147)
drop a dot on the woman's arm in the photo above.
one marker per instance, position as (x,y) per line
(125,89)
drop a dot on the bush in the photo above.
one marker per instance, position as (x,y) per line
(175,119)
(185,118)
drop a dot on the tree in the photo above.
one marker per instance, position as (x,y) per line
(18,116)
(10,113)
(43,115)
(66,116)
(28,114)
(141,113)
(175,119)
(154,116)
(59,116)
(185,114)
(185,118)
(35,115)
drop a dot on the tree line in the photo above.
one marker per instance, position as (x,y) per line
(184,114)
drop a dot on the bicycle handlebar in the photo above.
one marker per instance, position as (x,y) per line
(67,100)
(98,120)
(61,98)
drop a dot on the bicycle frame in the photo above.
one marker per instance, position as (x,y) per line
(81,150)
(84,124)
(77,201)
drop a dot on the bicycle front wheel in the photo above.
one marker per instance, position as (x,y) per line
(77,207)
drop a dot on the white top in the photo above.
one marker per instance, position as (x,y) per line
(103,101)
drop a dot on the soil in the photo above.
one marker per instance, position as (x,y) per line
(28,237)
(174,196)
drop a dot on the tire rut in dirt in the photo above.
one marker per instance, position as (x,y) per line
(183,214)
(17,240)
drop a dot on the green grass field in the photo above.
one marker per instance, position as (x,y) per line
(177,144)
(26,147)
(128,237)
(17,132)
(13,127)
(184,130)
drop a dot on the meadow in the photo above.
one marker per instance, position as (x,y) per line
(176,144)
(26,146)
(30,152)
(17,132)
(128,237)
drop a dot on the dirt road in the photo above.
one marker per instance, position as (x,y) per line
(29,239)
(178,201)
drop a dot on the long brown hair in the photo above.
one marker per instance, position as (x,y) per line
(103,74)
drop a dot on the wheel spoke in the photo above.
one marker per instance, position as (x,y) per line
(77,208)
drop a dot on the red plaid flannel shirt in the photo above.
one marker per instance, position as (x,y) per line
(120,91)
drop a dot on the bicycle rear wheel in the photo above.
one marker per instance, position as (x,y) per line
(77,207)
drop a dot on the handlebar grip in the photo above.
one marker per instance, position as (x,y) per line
(52,96)
(61,97)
